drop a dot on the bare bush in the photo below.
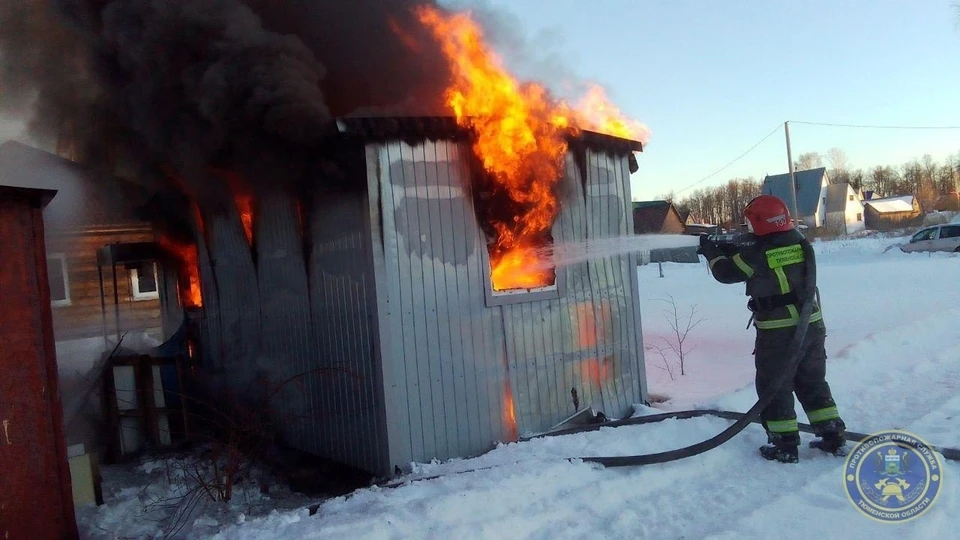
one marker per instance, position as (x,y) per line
(681,326)
(662,352)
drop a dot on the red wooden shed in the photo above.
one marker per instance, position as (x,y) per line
(35,493)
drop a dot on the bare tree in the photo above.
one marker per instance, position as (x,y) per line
(681,327)
(884,181)
(807,161)
(721,205)
(669,196)
(838,161)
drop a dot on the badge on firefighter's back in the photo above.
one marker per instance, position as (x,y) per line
(893,476)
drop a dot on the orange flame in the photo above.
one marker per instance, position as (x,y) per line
(509,414)
(521,141)
(245,206)
(189,275)
(596,112)
(242,198)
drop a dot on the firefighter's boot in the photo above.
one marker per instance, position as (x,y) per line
(832,439)
(782,447)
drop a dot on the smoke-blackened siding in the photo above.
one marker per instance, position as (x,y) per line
(448,359)
(345,408)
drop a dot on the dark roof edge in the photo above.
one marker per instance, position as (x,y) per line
(446,127)
(42,196)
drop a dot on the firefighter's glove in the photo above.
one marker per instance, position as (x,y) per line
(708,248)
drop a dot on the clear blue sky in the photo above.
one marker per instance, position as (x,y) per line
(710,78)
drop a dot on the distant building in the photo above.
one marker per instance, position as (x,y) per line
(811,189)
(650,217)
(844,210)
(948,202)
(892,213)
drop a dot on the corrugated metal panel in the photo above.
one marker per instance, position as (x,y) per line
(237,305)
(451,360)
(346,413)
(447,347)
(584,342)
(608,215)
(288,346)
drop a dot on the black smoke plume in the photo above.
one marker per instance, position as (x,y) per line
(185,84)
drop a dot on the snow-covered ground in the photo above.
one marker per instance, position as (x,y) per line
(894,363)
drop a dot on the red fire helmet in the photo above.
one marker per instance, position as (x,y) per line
(767,214)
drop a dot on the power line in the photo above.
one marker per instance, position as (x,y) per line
(862,126)
(738,158)
(825,124)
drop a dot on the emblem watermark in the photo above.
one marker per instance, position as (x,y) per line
(893,476)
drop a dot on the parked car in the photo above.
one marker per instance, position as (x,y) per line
(944,237)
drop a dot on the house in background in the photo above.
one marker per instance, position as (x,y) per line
(686,217)
(844,210)
(892,213)
(811,188)
(89,211)
(651,217)
(948,202)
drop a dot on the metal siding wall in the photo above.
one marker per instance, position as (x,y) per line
(288,346)
(608,186)
(345,404)
(236,308)
(586,340)
(632,261)
(447,358)
(447,347)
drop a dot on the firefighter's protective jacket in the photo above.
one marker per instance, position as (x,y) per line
(773,268)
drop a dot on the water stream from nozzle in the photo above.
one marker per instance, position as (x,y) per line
(565,254)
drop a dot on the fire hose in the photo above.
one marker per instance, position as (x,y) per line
(741,420)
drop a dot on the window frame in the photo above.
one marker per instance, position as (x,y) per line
(135,293)
(65,274)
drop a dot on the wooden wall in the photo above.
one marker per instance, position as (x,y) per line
(82,317)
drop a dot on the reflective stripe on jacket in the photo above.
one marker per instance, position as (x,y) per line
(771,266)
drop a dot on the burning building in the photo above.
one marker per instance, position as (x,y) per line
(380,285)
(386,340)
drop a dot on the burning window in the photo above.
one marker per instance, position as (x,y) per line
(518,262)
(520,140)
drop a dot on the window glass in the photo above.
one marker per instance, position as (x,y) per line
(143,280)
(950,231)
(925,234)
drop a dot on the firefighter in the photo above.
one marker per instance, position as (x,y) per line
(771,261)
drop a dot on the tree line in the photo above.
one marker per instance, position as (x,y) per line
(925,178)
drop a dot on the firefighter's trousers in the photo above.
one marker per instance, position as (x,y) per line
(772,355)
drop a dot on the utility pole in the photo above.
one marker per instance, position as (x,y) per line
(793,181)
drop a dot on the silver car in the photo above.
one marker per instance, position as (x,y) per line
(936,238)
